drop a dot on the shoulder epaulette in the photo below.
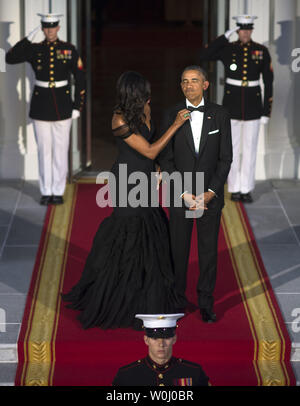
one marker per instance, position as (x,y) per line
(133,364)
(188,363)
(258,44)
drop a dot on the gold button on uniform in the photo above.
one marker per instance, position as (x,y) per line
(161,384)
(52,66)
(160,376)
(52,79)
(244,72)
(244,77)
(51,72)
(245,59)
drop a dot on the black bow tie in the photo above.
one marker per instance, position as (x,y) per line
(200,108)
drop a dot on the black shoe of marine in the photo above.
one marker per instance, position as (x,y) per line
(45,200)
(236,197)
(57,200)
(246,198)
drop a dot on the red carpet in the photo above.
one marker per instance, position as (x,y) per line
(249,344)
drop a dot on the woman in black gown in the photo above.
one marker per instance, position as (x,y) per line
(129,268)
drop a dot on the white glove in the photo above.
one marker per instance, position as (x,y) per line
(75,114)
(230,32)
(264,120)
(33,33)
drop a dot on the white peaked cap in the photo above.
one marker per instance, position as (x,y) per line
(159,320)
(244,19)
(50,17)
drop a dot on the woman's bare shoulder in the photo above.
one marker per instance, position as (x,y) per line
(117,121)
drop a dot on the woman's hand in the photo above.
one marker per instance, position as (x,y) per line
(182,117)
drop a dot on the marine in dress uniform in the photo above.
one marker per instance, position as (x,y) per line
(52,108)
(168,371)
(244,61)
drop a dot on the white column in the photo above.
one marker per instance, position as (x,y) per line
(12,114)
(261,35)
(278,147)
(283,148)
(296,81)
(220,66)
(74,132)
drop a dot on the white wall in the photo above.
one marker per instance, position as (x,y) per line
(12,114)
(18,152)
(282,160)
(32,7)
(277,27)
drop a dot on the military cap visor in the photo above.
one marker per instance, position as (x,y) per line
(245,26)
(160,325)
(50,25)
(160,332)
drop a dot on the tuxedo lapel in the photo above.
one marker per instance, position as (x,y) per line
(207,119)
(189,136)
(187,131)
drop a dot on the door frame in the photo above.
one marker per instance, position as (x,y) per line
(80,13)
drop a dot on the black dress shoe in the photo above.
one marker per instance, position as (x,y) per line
(246,198)
(57,200)
(208,316)
(45,200)
(236,197)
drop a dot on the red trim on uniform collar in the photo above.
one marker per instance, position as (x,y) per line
(51,43)
(159,367)
(245,45)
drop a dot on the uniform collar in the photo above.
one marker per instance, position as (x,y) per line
(54,43)
(159,367)
(247,44)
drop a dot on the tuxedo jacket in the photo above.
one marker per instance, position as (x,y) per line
(215,151)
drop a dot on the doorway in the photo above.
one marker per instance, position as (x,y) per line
(157,39)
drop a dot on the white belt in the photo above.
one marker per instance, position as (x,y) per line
(41,83)
(244,83)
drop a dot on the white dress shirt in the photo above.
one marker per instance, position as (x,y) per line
(196,124)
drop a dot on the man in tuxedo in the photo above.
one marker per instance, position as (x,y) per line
(202,144)
(245,62)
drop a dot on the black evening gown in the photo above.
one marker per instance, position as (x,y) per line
(129,268)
